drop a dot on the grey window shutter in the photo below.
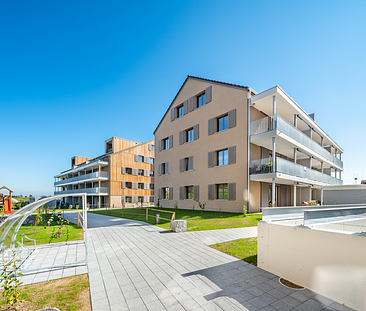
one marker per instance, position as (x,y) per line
(195,192)
(181,137)
(146,159)
(149,147)
(231,190)
(232,118)
(211,156)
(123,184)
(146,186)
(134,199)
(181,193)
(181,165)
(170,141)
(147,173)
(190,163)
(185,106)
(211,189)
(232,154)
(196,132)
(159,169)
(172,114)
(167,168)
(159,145)
(159,193)
(136,157)
(123,170)
(191,103)
(208,94)
(211,126)
(134,185)
(170,193)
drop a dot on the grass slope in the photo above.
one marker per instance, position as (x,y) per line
(196,220)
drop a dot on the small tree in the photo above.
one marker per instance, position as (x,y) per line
(245,211)
(10,283)
(201,205)
(176,205)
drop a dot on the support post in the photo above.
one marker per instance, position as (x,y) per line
(273,192)
(295,120)
(322,167)
(322,141)
(274,154)
(321,196)
(295,193)
(248,148)
(147,214)
(274,106)
(295,155)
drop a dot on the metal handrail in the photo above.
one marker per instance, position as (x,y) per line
(23,235)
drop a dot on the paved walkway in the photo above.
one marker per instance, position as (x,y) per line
(137,266)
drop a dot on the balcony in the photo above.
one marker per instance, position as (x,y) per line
(270,126)
(263,169)
(96,191)
(86,177)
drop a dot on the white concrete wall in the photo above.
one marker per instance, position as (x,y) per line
(331,264)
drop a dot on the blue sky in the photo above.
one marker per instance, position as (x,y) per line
(75,73)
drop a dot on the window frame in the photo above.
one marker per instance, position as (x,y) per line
(128,171)
(220,191)
(198,98)
(151,161)
(140,186)
(189,134)
(140,172)
(189,192)
(225,121)
(165,195)
(166,143)
(128,198)
(180,111)
(223,152)
(128,183)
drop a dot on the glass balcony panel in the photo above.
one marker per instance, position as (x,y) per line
(269,123)
(96,190)
(94,175)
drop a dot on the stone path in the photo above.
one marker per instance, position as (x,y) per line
(137,266)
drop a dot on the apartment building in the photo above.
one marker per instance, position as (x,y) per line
(228,146)
(123,175)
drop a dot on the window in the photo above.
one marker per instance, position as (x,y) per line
(151,160)
(151,199)
(128,171)
(166,193)
(222,192)
(151,186)
(166,143)
(128,199)
(152,148)
(186,164)
(222,123)
(223,157)
(201,100)
(140,172)
(189,192)
(189,135)
(151,173)
(140,185)
(180,111)
(140,159)
(140,199)
(163,168)
(129,185)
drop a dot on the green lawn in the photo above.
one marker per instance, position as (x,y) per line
(196,220)
(45,234)
(66,294)
(244,249)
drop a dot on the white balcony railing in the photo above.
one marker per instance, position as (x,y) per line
(265,166)
(91,176)
(97,190)
(277,123)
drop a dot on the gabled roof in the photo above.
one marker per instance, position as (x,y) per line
(201,79)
